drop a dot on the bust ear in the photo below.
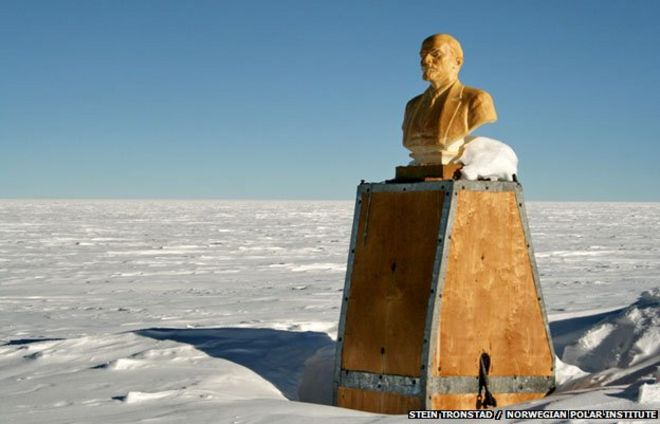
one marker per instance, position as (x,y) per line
(447,50)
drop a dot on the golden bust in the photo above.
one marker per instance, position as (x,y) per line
(437,122)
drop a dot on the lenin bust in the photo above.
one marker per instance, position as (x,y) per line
(437,122)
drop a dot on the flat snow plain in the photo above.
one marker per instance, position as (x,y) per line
(226,311)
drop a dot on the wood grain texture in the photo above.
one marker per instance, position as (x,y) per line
(469,400)
(380,402)
(489,300)
(391,281)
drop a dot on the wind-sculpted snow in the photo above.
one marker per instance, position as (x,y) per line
(622,339)
(226,311)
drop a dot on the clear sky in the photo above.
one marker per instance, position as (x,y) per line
(303,99)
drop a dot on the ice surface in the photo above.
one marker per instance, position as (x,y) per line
(219,311)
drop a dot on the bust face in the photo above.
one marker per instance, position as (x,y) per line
(439,63)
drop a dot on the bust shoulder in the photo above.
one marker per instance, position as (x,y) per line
(480,105)
(414,100)
(476,95)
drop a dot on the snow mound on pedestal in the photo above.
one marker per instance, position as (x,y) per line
(488,159)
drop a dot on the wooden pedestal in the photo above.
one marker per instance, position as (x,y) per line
(439,274)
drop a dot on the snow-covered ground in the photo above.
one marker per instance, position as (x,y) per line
(226,311)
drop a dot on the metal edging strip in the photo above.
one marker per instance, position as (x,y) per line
(400,384)
(494,186)
(411,386)
(442,185)
(438,278)
(496,384)
(347,289)
(417,186)
(520,202)
(437,262)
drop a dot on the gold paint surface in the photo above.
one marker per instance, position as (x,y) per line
(447,111)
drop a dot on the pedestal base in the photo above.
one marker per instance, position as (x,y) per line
(416,173)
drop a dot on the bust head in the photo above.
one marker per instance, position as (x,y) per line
(441,58)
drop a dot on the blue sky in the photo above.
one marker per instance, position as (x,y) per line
(303,99)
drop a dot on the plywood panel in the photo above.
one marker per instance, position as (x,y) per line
(391,281)
(381,402)
(469,400)
(489,301)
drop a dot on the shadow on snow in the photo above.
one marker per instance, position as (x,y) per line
(299,364)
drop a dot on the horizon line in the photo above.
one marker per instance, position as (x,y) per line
(254,199)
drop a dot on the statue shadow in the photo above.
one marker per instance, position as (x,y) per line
(299,364)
